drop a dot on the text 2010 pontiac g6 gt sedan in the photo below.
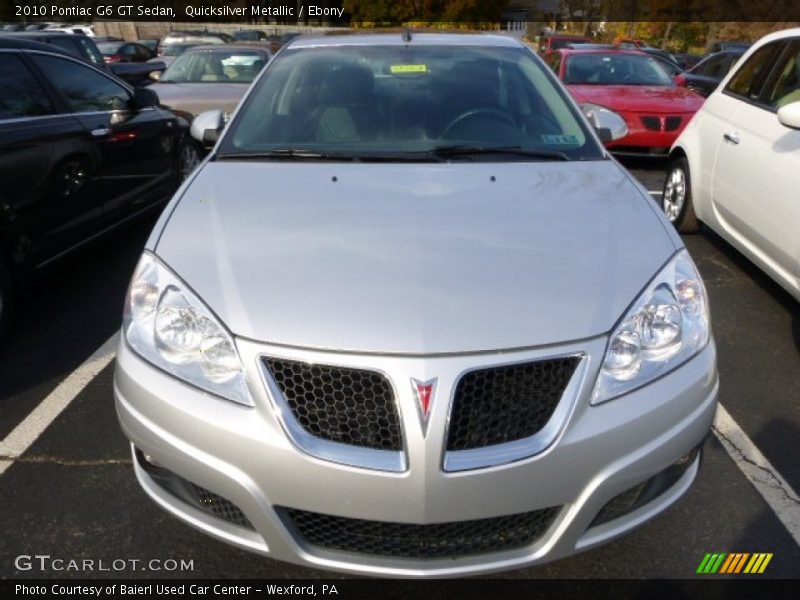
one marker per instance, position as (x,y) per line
(410,319)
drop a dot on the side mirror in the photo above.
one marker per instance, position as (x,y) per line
(609,125)
(155,75)
(144,98)
(789,115)
(207,126)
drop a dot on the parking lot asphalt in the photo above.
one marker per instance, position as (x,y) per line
(73,494)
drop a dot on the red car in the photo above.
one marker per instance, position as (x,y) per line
(556,41)
(628,92)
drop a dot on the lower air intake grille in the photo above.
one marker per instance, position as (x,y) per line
(436,540)
(220,507)
(507,403)
(349,406)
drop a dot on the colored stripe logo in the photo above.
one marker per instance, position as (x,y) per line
(734,562)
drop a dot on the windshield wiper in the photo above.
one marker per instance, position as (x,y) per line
(285,154)
(463,150)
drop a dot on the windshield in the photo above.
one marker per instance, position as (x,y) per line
(252,36)
(177,49)
(109,47)
(395,102)
(214,67)
(615,69)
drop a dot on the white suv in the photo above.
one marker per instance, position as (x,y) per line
(736,165)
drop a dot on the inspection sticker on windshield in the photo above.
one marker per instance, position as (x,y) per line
(395,69)
(560,140)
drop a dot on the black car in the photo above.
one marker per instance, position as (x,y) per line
(115,52)
(80,46)
(687,60)
(705,76)
(250,35)
(83,47)
(665,59)
(80,153)
(663,55)
(723,46)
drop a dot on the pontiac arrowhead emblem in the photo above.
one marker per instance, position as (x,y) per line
(424,392)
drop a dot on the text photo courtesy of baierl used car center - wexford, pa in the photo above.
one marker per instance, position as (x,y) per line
(403,299)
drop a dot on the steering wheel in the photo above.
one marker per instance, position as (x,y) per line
(469,114)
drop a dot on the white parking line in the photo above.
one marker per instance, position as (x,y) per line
(655,192)
(24,434)
(780,496)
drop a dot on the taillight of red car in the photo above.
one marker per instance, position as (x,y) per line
(112,58)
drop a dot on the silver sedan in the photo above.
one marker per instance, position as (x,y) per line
(409,318)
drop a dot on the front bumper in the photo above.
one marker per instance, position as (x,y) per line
(245,456)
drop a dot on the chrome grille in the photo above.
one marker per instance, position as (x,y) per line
(507,403)
(340,404)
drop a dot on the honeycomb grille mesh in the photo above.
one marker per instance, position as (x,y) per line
(437,540)
(349,406)
(503,404)
(220,507)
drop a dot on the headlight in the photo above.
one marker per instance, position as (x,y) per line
(169,326)
(666,326)
(604,118)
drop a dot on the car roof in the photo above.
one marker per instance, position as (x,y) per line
(14,40)
(45,34)
(397,39)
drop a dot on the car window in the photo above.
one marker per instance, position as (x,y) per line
(177,49)
(401,102)
(90,49)
(84,89)
(785,87)
(747,80)
(615,69)
(67,44)
(712,67)
(20,93)
(215,67)
(109,47)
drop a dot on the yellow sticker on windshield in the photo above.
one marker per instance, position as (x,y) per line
(408,69)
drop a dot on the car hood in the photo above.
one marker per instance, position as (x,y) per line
(415,258)
(639,98)
(195,98)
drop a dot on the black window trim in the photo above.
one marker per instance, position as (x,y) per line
(59,103)
(774,73)
(55,99)
(67,109)
(768,75)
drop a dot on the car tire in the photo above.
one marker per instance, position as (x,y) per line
(189,156)
(6,301)
(676,200)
